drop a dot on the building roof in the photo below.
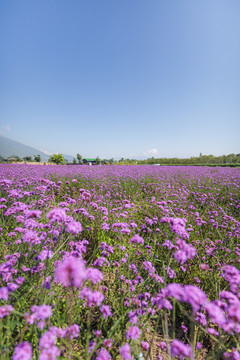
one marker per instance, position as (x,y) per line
(91,159)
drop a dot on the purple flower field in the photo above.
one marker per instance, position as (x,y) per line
(119,262)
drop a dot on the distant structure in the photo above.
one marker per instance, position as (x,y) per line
(13,159)
(92,161)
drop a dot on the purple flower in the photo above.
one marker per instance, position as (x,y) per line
(125,352)
(94,275)
(42,311)
(133,333)
(49,354)
(4,292)
(44,254)
(162,345)
(137,239)
(147,265)
(97,333)
(108,343)
(195,297)
(33,214)
(185,252)
(175,290)
(58,215)
(179,349)
(145,345)
(212,331)
(71,272)
(74,227)
(105,226)
(47,340)
(184,328)
(91,346)
(23,351)
(233,355)
(201,318)
(5,310)
(215,313)
(71,331)
(105,310)
(171,272)
(168,244)
(133,318)
(103,355)
(93,297)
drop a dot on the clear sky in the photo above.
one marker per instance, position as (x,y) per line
(112,78)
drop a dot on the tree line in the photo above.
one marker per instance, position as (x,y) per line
(223,160)
(209,160)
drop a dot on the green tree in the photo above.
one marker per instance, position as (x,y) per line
(79,158)
(57,159)
(74,161)
(27,158)
(111,161)
(37,158)
(98,161)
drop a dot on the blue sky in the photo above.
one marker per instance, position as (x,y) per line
(121,78)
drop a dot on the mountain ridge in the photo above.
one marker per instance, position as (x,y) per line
(9,147)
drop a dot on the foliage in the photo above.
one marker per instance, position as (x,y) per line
(79,158)
(201,160)
(98,161)
(27,158)
(37,158)
(57,159)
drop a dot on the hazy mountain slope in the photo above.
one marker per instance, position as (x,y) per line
(10,147)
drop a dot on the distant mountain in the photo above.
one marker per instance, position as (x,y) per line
(10,147)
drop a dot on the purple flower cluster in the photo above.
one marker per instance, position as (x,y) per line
(104,251)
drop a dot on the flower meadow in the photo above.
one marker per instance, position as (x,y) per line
(119,262)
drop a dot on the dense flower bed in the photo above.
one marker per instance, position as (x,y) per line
(119,262)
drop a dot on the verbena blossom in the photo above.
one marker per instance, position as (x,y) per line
(4,292)
(232,355)
(103,355)
(137,239)
(185,252)
(195,297)
(93,297)
(145,345)
(23,351)
(105,310)
(125,352)
(5,310)
(51,353)
(178,348)
(133,333)
(71,272)
(94,275)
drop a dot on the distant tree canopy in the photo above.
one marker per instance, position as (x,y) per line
(79,158)
(230,159)
(37,158)
(57,159)
(27,158)
(98,161)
